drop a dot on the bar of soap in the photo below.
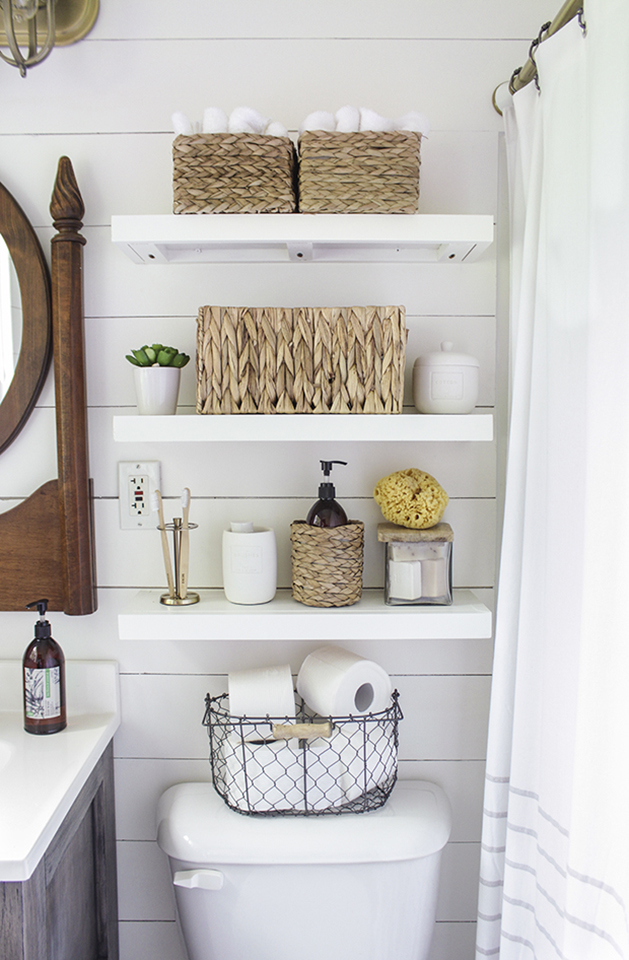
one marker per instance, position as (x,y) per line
(405,579)
(434,578)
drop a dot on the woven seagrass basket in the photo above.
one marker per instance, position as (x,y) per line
(300,360)
(368,172)
(327,563)
(234,173)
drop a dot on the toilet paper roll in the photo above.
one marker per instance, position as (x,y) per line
(367,758)
(336,683)
(323,776)
(281,775)
(267,776)
(261,691)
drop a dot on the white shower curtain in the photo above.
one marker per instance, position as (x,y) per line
(555,846)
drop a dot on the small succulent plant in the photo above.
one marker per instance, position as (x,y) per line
(157,355)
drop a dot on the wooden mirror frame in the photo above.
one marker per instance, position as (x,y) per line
(36,347)
(46,542)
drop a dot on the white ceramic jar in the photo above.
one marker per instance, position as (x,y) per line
(445,382)
(249,563)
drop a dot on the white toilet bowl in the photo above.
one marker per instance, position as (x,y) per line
(350,887)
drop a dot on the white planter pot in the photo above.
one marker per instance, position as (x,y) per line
(157,389)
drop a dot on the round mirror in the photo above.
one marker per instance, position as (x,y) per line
(25,318)
(10,319)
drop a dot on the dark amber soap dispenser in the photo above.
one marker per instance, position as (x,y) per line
(327,512)
(43,673)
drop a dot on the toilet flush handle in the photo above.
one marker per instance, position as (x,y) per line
(204,879)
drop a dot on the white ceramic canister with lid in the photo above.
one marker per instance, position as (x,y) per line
(445,382)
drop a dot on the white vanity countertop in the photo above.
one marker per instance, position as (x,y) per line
(41,776)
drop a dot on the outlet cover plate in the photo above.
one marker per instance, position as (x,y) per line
(137,481)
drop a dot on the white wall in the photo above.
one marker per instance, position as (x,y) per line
(106,103)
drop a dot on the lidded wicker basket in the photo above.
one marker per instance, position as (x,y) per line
(327,563)
(365,172)
(300,360)
(234,173)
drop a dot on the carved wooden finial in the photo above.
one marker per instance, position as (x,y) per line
(66,207)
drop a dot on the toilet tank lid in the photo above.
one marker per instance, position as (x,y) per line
(195,825)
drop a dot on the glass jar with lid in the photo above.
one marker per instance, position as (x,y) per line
(418,564)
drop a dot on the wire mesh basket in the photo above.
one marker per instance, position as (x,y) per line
(304,765)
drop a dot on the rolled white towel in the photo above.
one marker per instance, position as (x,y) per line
(370,120)
(246,120)
(181,124)
(239,126)
(214,120)
(414,121)
(319,120)
(276,129)
(347,119)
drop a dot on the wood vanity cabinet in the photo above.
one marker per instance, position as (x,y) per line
(67,909)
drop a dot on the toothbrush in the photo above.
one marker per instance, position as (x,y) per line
(185,544)
(158,507)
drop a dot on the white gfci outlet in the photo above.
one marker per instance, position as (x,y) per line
(137,481)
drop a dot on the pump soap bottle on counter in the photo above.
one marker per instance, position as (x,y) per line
(44,679)
(327,512)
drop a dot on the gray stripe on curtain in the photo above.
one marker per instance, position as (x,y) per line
(596,931)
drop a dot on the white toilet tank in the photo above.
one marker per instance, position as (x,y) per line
(349,887)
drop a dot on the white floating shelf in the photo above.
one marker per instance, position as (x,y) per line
(267,238)
(307,427)
(214,618)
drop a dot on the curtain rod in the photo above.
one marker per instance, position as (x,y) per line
(521,77)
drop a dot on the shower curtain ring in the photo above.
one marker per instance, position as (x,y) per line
(582,23)
(535,43)
(512,79)
(533,46)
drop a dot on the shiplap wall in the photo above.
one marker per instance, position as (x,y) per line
(106,103)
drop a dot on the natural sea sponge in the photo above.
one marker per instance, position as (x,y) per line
(411,498)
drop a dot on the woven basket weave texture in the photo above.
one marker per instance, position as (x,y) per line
(300,360)
(327,563)
(234,173)
(368,172)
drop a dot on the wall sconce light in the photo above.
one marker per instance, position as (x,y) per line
(59,22)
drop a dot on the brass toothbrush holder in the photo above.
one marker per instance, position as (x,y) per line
(182,596)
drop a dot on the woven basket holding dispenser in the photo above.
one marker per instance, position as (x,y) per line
(368,172)
(234,173)
(300,360)
(327,563)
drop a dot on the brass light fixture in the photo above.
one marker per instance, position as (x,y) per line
(24,22)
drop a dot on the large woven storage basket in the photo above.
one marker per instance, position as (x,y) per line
(327,563)
(234,173)
(300,360)
(365,172)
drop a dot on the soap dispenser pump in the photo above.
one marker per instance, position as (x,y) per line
(327,512)
(44,679)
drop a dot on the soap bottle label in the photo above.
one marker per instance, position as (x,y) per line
(42,688)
